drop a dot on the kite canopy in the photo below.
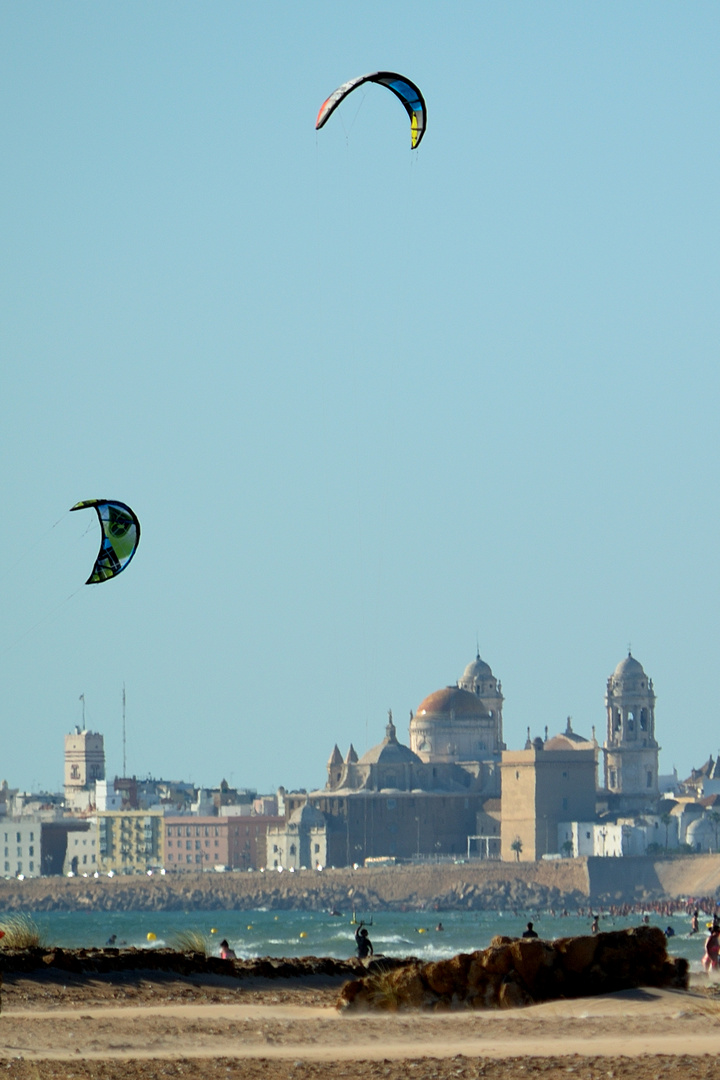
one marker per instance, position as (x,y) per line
(120,537)
(403,89)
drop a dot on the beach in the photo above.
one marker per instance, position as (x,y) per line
(58,1025)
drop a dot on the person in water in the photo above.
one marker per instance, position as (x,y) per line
(226,953)
(363,942)
(595,924)
(694,922)
(529,933)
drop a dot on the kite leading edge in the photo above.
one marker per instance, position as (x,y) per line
(408,93)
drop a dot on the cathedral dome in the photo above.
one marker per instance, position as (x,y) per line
(452,701)
(477,669)
(390,751)
(629,668)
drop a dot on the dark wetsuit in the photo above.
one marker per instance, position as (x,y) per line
(364,944)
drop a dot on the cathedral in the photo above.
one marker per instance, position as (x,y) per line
(442,794)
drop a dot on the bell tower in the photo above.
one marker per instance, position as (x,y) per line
(631,750)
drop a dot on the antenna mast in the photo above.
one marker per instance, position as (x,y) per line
(124,759)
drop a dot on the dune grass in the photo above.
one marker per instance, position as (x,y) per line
(21,932)
(190,940)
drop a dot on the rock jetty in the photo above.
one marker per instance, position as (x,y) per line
(516,972)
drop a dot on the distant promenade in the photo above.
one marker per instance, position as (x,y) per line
(466,886)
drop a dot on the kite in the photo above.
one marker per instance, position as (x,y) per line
(406,91)
(120,537)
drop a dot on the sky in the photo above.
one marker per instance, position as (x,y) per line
(375,408)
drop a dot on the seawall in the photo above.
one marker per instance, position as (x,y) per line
(477,886)
(471,886)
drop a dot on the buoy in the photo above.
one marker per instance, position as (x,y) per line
(303,933)
(151,936)
(276,918)
(250,926)
(421,929)
(213,929)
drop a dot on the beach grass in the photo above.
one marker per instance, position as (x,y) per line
(22,932)
(190,940)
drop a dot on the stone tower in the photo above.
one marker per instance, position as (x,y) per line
(84,764)
(631,750)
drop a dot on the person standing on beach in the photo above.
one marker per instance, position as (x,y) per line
(529,933)
(712,949)
(363,942)
(595,924)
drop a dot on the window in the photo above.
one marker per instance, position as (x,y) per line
(649,778)
(564,804)
(613,778)
(317,849)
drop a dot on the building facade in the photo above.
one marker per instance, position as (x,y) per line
(540,789)
(195,843)
(130,841)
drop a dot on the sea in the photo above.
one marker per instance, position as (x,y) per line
(427,936)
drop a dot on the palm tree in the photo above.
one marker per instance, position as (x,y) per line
(517,847)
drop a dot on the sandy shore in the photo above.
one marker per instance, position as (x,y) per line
(137,1028)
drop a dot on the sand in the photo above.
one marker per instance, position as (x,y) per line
(137,1028)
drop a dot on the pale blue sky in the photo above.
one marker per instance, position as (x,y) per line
(371,406)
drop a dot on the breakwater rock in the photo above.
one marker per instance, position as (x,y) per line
(473,886)
(438,887)
(516,972)
(93,963)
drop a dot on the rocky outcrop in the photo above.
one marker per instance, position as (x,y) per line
(516,972)
(91,963)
